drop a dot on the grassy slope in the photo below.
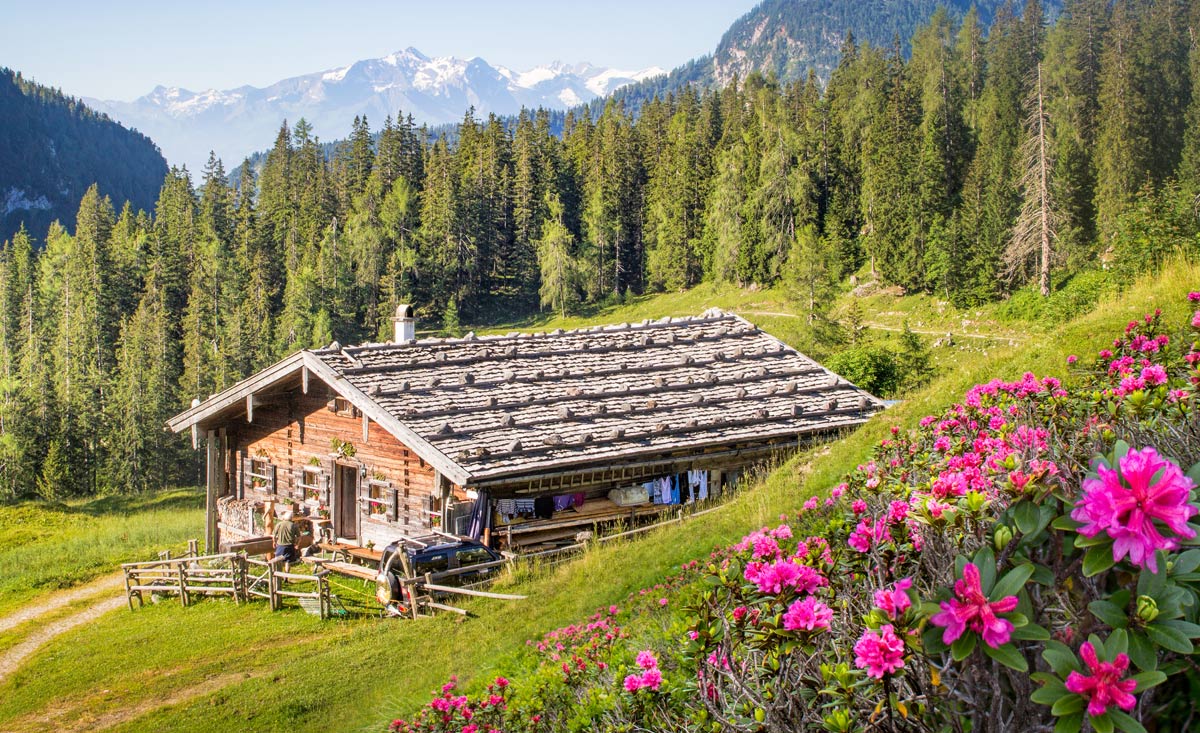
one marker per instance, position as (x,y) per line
(48,546)
(356,674)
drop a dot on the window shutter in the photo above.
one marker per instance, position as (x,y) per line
(272,485)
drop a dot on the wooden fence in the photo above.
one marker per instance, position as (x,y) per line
(231,574)
(246,578)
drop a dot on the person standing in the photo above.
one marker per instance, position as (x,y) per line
(285,536)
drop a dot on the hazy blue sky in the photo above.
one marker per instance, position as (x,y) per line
(122,49)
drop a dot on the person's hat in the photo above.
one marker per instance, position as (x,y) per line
(285,514)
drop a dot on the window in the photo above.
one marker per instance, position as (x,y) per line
(381,500)
(473,556)
(312,486)
(433,564)
(342,406)
(258,474)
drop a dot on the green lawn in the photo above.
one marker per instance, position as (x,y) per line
(220,666)
(45,547)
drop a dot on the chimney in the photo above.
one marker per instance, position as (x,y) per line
(405,325)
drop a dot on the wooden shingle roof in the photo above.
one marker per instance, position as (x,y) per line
(521,404)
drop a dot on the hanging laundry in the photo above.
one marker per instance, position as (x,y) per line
(562,502)
(543,507)
(577,499)
(524,506)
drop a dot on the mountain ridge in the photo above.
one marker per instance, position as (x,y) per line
(434,89)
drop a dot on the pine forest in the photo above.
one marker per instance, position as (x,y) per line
(991,159)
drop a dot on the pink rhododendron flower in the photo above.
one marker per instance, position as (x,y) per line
(646,659)
(1104,687)
(1072,359)
(633,683)
(1196,320)
(1126,505)
(895,601)
(651,678)
(1154,375)
(808,614)
(859,506)
(970,609)
(1194,296)
(879,652)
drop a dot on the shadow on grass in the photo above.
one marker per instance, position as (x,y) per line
(119,504)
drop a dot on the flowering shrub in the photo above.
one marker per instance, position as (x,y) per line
(1027,559)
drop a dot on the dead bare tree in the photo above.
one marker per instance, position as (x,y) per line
(1030,250)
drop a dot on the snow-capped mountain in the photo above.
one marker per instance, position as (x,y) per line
(237,122)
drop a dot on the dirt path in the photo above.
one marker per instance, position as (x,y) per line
(56,601)
(74,720)
(881,327)
(11,660)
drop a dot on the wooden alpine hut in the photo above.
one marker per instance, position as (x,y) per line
(521,440)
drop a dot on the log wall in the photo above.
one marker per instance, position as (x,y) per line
(293,432)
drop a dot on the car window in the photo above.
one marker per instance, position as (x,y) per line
(473,556)
(433,563)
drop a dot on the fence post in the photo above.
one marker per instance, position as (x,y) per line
(183,595)
(272,585)
(193,548)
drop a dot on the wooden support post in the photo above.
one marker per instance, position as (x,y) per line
(223,437)
(272,585)
(366,425)
(183,594)
(210,507)
(304,380)
(441,488)
(129,593)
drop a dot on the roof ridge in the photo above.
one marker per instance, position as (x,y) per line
(708,316)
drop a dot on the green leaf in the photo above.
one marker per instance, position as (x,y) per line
(1169,638)
(963,646)
(1007,655)
(1012,582)
(985,560)
(932,639)
(1030,632)
(1065,522)
(1097,560)
(1050,692)
(1151,584)
(1060,658)
(1146,680)
(1118,643)
(1188,629)
(1025,513)
(1072,723)
(1102,723)
(1125,722)
(1043,575)
(1109,614)
(1188,561)
(1142,651)
(1067,705)
(1120,448)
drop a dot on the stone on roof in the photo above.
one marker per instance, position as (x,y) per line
(520,403)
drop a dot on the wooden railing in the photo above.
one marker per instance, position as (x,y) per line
(245,578)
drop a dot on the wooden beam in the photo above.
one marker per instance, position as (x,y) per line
(366,426)
(386,420)
(201,411)
(210,512)
(250,407)
(304,379)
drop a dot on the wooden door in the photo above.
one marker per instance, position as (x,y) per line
(345,521)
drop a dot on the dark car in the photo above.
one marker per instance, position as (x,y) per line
(439,556)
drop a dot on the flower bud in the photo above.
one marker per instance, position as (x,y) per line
(1002,537)
(1147,608)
